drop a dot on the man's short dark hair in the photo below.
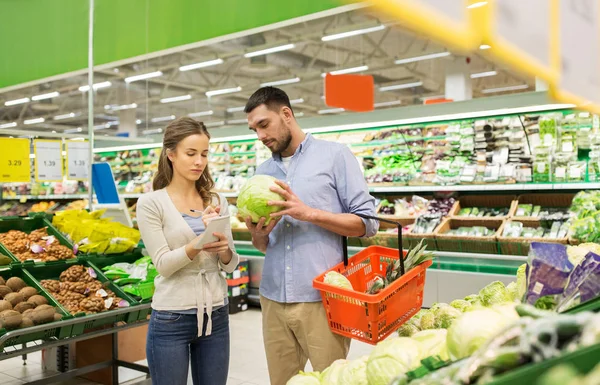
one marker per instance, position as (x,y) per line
(273,98)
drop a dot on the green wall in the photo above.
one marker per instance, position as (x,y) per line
(43,38)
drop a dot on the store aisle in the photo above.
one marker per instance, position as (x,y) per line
(248,363)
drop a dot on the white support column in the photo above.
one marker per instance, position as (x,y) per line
(127,118)
(458,80)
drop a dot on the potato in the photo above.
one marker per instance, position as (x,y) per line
(5,305)
(26,323)
(27,313)
(14,298)
(38,300)
(28,292)
(57,316)
(23,306)
(10,319)
(2,281)
(15,284)
(42,314)
(4,290)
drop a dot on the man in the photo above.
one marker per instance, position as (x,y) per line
(323,188)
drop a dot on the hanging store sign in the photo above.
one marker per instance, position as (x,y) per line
(48,160)
(78,160)
(14,160)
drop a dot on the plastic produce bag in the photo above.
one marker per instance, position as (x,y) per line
(583,285)
(548,271)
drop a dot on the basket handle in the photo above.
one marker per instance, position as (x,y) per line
(397,224)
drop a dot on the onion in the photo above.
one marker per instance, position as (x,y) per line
(36,249)
(92,273)
(123,303)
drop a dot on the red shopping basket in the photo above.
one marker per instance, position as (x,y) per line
(372,317)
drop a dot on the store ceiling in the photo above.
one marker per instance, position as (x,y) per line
(149,102)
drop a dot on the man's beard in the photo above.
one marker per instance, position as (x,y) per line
(283,143)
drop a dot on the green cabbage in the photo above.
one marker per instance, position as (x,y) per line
(507,310)
(495,293)
(433,343)
(391,358)
(331,375)
(460,304)
(408,329)
(427,320)
(355,372)
(473,329)
(254,196)
(445,316)
(334,278)
(521,282)
(513,290)
(302,378)
(474,300)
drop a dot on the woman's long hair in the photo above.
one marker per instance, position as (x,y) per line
(175,132)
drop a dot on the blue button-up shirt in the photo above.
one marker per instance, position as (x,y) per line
(324,175)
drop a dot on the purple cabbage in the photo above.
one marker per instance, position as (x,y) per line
(548,270)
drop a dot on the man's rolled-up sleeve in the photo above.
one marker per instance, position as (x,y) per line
(353,191)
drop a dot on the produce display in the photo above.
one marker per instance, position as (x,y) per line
(135,278)
(254,196)
(556,230)
(475,231)
(404,207)
(566,374)
(536,211)
(93,234)
(586,211)
(78,290)
(21,306)
(37,246)
(5,260)
(482,212)
(437,209)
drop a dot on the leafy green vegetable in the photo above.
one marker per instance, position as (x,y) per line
(408,329)
(254,196)
(433,342)
(445,316)
(331,375)
(460,304)
(391,358)
(311,378)
(494,293)
(355,372)
(521,282)
(428,320)
(336,279)
(547,302)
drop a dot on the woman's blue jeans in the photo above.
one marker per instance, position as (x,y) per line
(173,343)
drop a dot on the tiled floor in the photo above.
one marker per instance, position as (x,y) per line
(248,365)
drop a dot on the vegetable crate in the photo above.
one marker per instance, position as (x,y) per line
(372,317)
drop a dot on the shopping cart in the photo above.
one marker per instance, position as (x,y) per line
(372,317)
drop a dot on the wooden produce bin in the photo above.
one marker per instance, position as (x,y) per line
(387,239)
(557,201)
(413,239)
(488,201)
(521,245)
(459,243)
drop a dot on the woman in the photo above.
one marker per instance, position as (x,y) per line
(190,317)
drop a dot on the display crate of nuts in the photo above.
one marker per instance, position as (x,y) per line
(24,303)
(34,240)
(82,289)
(7,259)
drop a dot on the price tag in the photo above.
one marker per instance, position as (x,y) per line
(78,159)
(519,39)
(561,172)
(235,291)
(576,54)
(48,160)
(448,22)
(575,173)
(14,160)
(567,147)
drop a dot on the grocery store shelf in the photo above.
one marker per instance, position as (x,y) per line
(487,187)
(45,197)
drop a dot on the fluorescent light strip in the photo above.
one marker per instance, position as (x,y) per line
(281,82)
(72,130)
(149,75)
(421,58)
(485,46)
(356,32)
(503,89)
(176,99)
(101,126)
(296,101)
(298,114)
(477,4)
(203,64)
(214,124)
(400,86)
(49,95)
(8,125)
(122,107)
(96,86)
(331,111)
(34,121)
(78,139)
(138,121)
(387,104)
(222,91)
(155,131)
(483,74)
(236,109)
(65,116)
(237,121)
(266,51)
(201,113)
(16,101)
(163,119)
(347,70)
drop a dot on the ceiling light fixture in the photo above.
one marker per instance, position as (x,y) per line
(356,32)
(34,121)
(477,4)
(121,107)
(298,114)
(8,125)
(485,46)
(65,116)
(176,99)
(215,124)
(331,111)
(201,113)
(16,101)
(154,131)
(387,104)
(236,109)
(72,130)
(267,51)
(423,57)
(96,86)
(503,89)
(49,95)
(237,121)
(203,64)
(163,119)
(281,82)
(296,101)
(400,86)
(222,91)
(138,121)
(483,74)
(149,75)
(347,71)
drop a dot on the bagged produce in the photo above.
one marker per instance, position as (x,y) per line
(548,270)
(583,284)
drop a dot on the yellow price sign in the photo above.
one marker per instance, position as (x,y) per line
(447,21)
(517,33)
(14,160)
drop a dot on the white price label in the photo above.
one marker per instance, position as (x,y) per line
(575,173)
(541,168)
(567,147)
(48,160)
(561,172)
(237,274)
(78,160)
(235,291)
